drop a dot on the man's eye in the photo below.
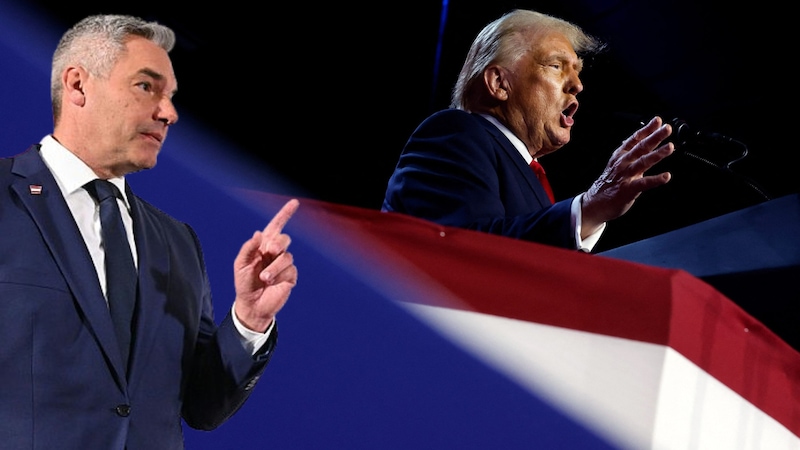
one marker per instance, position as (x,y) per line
(145,86)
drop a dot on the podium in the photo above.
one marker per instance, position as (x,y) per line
(752,256)
(637,355)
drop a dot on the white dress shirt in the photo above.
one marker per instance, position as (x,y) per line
(575,222)
(71,174)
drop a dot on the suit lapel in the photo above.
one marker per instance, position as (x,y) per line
(151,304)
(525,171)
(38,191)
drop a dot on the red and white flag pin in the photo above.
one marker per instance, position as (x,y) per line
(36,189)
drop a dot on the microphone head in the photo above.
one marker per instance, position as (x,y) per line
(681,133)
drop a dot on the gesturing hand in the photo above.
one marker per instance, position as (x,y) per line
(264,272)
(623,179)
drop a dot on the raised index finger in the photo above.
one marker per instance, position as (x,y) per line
(275,226)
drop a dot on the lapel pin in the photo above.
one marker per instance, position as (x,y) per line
(36,189)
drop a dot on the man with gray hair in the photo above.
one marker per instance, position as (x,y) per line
(109,337)
(515,99)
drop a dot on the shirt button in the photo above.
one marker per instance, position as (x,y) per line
(123,410)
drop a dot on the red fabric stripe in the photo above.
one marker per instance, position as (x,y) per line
(532,282)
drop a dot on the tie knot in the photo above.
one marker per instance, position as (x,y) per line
(102,189)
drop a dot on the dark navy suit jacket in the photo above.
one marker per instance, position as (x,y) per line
(458,169)
(61,379)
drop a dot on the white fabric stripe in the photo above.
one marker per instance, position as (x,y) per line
(635,395)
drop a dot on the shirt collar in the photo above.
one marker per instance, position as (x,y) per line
(70,172)
(515,141)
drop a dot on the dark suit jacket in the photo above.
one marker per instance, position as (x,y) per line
(61,379)
(458,169)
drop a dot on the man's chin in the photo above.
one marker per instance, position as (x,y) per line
(145,163)
(556,143)
(562,139)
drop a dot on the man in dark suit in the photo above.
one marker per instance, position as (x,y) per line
(65,380)
(514,102)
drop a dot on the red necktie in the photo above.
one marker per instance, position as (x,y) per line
(539,171)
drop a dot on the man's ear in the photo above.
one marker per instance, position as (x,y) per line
(494,77)
(74,81)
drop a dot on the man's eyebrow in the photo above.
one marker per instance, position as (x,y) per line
(155,75)
(151,73)
(566,58)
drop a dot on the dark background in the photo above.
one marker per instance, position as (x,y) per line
(327,95)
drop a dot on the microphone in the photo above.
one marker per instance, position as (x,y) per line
(705,147)
(682,134)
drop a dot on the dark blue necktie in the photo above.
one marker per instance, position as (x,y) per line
(121,277)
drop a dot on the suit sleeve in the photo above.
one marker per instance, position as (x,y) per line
(223,373)
(452,172)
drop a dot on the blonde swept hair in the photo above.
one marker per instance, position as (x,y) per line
(499,42)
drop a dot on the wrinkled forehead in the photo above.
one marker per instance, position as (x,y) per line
(552,43)
(550,39)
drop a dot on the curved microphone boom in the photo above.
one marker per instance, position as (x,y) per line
(682,134)
(686,140)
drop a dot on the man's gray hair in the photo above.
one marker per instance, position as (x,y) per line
(96,42)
